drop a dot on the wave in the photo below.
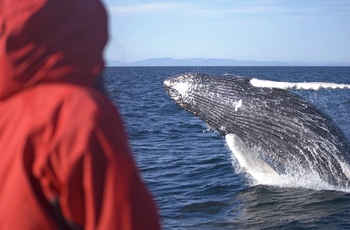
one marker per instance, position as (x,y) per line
(297,85)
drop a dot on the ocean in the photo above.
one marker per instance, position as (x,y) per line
(188,168)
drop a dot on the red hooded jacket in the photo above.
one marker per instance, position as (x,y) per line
(65,160)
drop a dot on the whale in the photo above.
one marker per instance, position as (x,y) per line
(270,131)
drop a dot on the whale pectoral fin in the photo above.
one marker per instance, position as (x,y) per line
(247,158)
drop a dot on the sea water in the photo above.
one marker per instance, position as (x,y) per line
(188,167)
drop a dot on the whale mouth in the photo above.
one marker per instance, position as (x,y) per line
(167,83)
(177,89)
(172,92)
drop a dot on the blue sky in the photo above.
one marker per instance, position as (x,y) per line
(262,30)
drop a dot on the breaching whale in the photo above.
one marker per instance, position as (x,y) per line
(271,131)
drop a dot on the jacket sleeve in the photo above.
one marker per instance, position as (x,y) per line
(99,184)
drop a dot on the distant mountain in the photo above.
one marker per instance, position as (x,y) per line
(116,63)
(218,62)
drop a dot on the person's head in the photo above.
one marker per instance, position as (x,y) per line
(45,41)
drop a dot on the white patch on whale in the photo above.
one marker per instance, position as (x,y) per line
(238,105)
(182,88)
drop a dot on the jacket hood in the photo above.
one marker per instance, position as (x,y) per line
(50,41)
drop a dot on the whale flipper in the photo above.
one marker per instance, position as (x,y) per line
(250,162)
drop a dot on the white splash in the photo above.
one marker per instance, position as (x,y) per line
(297,85)
(262,173)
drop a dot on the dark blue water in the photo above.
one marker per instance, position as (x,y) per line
(188,167)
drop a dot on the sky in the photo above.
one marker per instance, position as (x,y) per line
(261,30)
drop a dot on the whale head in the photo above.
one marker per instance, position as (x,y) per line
(199,93)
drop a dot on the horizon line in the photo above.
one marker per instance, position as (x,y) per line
(168,61)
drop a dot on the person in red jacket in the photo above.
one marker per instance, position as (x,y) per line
(65,161)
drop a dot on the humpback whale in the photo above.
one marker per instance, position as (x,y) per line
(269,130)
